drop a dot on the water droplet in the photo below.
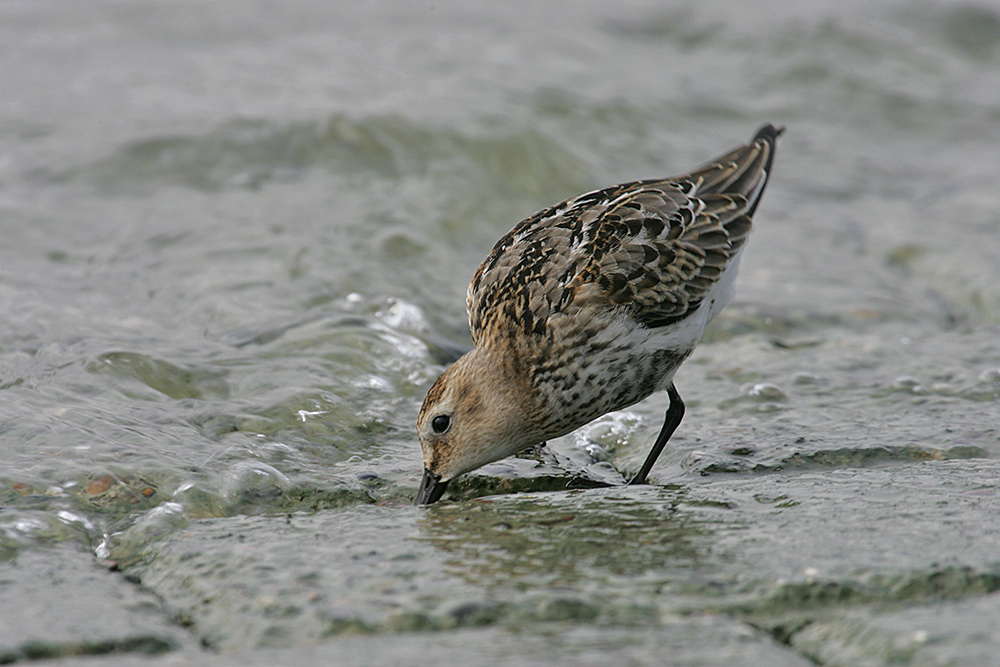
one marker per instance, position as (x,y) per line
(763,391)
(907,383)
(990,376)
(802,378)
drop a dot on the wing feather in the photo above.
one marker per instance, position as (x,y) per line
(653,249)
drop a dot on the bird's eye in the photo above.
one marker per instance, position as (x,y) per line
(441,423)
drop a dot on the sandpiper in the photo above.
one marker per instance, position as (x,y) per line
(590,306)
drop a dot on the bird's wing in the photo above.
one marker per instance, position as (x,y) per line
(653,249)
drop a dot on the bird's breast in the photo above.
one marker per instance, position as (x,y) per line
(587,369)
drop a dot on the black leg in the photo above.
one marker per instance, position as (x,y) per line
(675,412)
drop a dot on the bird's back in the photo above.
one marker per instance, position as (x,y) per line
(653,249)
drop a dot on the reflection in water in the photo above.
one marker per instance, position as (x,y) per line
(632,538)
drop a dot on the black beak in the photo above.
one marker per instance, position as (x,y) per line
(431,489)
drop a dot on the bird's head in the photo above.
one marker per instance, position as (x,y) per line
(477,412)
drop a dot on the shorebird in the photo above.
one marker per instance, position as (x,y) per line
(590,306)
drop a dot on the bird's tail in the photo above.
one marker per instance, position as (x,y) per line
(742,171)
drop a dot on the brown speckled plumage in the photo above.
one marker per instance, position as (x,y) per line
(590,306)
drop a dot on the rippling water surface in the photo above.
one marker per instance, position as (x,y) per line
(236,242)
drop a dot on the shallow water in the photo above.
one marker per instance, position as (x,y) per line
(236,246)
